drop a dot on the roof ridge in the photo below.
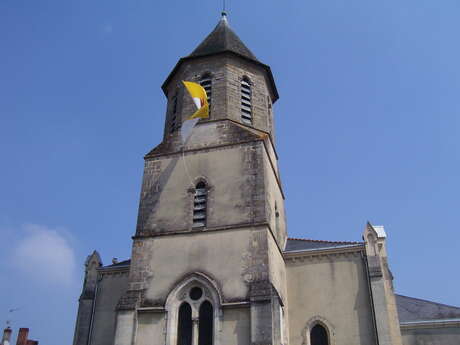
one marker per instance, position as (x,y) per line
(119,263)
(425,300)
(324,241)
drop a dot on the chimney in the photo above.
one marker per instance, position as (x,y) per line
(6,336)
(22,336)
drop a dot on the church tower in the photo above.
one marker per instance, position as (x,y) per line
(207,265)
(211,262)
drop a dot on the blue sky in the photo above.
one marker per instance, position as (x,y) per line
(367,129)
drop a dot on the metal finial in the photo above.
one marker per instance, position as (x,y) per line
(224,9)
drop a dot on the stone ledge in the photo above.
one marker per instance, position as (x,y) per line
(443,323)
(302,255)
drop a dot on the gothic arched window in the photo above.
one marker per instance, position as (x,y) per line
(194,309)
(174,123)
(318,335)
(206,320)
(185,327)
(206,82)
(277,218)
(246,101)
(199,205)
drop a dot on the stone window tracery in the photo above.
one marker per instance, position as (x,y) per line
(193,309)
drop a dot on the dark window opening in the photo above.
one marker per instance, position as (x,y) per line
(199,205)
(196,293)
(173,124)
(246,101)
(206,324)
(318,336)
(175,104)
(277,219)
(184,332)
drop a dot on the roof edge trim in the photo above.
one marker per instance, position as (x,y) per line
(187,58)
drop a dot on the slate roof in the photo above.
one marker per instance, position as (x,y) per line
(222,39)
(294,244)
(414,309)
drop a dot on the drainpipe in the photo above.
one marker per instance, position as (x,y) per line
(93,309)
(368,279)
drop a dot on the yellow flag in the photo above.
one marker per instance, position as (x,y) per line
(200,98)
(201,113)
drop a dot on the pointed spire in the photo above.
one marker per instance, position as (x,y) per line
(223,39)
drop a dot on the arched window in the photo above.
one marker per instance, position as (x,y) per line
(206,82)
(199,205)
(277,218)
(173,123)
(206,320)
(246,101)
(318,335)
(194,310)
(184,330)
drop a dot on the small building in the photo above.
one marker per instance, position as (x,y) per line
(22,339)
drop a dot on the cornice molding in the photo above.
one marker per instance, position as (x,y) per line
(240,226)
(203,230)
(149,157)
(113,270)
(314,254)
(229,305)
(443,323)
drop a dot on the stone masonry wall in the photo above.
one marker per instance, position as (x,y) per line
(226,71)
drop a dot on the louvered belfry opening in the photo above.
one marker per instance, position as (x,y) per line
(184,331)
(318,336)
(199,205)
(246,106)
(206,324)
(206,82)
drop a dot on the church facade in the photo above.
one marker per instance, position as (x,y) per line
(211,261)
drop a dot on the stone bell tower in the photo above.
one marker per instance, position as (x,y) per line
(207,264)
